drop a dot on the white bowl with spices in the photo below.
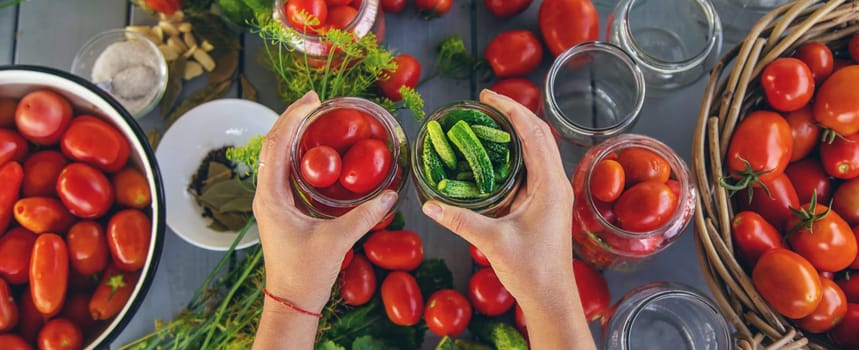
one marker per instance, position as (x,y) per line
(127,65)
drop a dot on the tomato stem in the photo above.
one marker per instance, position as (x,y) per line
(747,178)
(807,217)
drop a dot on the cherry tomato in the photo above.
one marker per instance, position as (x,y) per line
(477,256)
(840,158)
(607,180)
(818,58)
(775,206)
(76,309)
(514,53)
(433,8)
(488,296)
(339,129)
(753,236)
(805,132)
(85,191)
(49,273)
(519,319)
(131,188)
(11,177)
(42,116)
(15,248)
(788,84)
(87,247)
(853,48)
(788,283)
(128,234)
(447,313)
(95,142)
(565,23)
(593,290)
(393,6)
(60,334)
(407,73)
(762,142)
(520,90)
(845,201)
(832,307)
(377,131)
(306,16)
(14,342)
(358,282)
(849,284)
(339,17)
(347,259)
(112,293)
(837,103)
(8,308)
(320,166)
(12,146)
(395,250)
(507,8)
(30,320)
(402,298)
(365,166)
(641,164)
(7,112)
(167,7)
(844,333)
(822,237)
(41,171)
(808,177)
(645,206)
(42,214)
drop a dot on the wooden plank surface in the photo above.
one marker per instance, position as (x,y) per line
(8,22)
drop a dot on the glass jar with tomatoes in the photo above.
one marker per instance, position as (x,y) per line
(310,19)
(346,153)
(634,197)
(467,154)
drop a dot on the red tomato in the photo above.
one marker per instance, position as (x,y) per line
(49,273)
(840,158)
(433,8)
(87,247)
(365,166)
(753,236)
(407,73)
(447,313)
(402,299)
(487,294)
(477,256)
(808,177)
(11,177)
(338,2)
(514,53)
(607,180)
(14,342)
(339,129)
(645,206)
(830,311)
(306,16)
(849,284)
(42,116)
(60,334)
(384,223)
(818,58)
(641,164)
(775,206)
(565,23)
(507,8)
(827,275)
(788,283)
(593,290)
(358,282)
(845,201)
(339,17)
(844,333)
(347,259)
(8,308)
(393,6)
(42,214)
(76,309)
(95,142)
(760,147)
(15,248)
(320,166)
(377,131)
(167,7)
(519,319)
(112,293)
(837,103)
(853,48)
(30,320)
(805,132)
(131,188)
(12,146)
(788,84)
(395,250)
(520,90)
(41,171)
(823,237)
(85,191)
(128,234)
(7,112)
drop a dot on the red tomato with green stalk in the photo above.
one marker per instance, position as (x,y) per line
(520,90)
(393,6)
(477,256)
(836,106)
(320,166)
(774,203)
(88,252)
(60,334)
(15,249)
(447,313)
(845,201)
(112,293)
(85,191)
(42,116)
(840,157)
(407,73)
(402,298)
(42,170)
(818,57)
(339,129)
(507,8)
(788,84)
(42,214)
(830,311)
(131,189)
(486,293)
(593,290)
(565,23)
(8,308)
(753,236)
(788,283)
(607,180)
(11,177)
(358,282)
(805,132)
(809,178)
(641,164)
(167,7)
(429,9)
(306,16)
(95,142)
(514,53)
(759,151)
(822,236)
(49,273)
(12,146)
(395,250)
(128,234)
(365,166)
(645,206)
(844,333)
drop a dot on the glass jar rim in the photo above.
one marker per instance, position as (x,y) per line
(369,8)
(601,47)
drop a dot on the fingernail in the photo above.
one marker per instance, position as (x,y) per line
(432,210)
(388,198)
(489,93)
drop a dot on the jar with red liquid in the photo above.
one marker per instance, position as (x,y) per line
(359,17)
(346,153)
(634,198)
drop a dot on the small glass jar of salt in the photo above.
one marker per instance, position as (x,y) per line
(126,65)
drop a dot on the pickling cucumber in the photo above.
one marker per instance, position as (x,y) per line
(498,153)
(459,189)
(440,144)
(433,168)
(461,135)
(491,134)
(470,116)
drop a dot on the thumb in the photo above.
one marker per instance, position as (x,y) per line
(362,218)
(466,223)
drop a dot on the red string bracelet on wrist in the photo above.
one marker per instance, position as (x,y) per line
(288,304)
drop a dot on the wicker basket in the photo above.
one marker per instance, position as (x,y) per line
(730,94)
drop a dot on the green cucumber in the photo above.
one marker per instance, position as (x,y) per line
(502,171)
(462,166)
(470,116)
(491,134)
(465,175)
(499,153)
(459,189)
(433,168)
(440,144)
(464,139)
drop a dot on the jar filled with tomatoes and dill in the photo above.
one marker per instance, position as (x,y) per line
(467,154)
(346,153)
(311,19)
(634,197)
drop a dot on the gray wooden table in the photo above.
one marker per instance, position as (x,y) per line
(46,32)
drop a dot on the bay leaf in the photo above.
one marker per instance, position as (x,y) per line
(241,204)
(226,64)
(249,92)
(219,193)
(216,172)
(211,92)
(175,74)
(231,221)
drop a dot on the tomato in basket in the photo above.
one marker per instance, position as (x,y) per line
(821,236)
(829,312)
(788,283)
(819,59)
(836,105)
(788,84)
(760,148)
